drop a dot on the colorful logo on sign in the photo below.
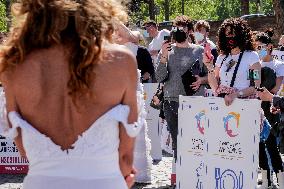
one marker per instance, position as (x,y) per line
(232,117)
(200,121)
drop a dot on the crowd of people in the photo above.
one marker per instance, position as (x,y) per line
(74,96)
(238,66)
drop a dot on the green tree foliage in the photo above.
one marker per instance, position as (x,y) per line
(3,19)
(266,7)
(205,9)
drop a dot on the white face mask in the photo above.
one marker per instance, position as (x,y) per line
(198,36)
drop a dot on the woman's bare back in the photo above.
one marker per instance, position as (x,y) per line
(37,89)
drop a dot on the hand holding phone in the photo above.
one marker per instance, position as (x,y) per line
(167,38)
(207,56)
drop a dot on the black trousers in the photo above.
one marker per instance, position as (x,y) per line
(274,154)
(171,115)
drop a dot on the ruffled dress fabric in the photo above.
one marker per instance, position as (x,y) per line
(93,162)
(142,159)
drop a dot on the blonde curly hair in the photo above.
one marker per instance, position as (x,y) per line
(80,25)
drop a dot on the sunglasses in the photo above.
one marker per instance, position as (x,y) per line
(176,28)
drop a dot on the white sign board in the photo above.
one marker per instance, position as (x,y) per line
(278,55)
(191,143)
(229,148)
(10,160)
(154,127)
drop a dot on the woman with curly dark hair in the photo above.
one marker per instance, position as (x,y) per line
(237,60)
(71,95)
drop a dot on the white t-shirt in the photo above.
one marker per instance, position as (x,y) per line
(132,47)
(275,65)
(241,82)
(157,42)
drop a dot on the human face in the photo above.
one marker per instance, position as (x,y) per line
(231,40)
(264,50)
(281,41)
(151,30)
(260,45)
(200,34)
(229,32)
(202,30)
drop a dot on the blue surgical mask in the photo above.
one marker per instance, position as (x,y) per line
(145,34)
(262,53)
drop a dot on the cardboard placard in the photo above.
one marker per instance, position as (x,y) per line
(218,144)
(10,160)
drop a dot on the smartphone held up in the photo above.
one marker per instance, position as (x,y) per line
(167,38)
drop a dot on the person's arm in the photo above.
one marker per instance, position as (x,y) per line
(277,101)
(200,79)
(162,71)
(123,35)
(213,71)
(126,145)
(247,91)
(278,85)
(11,105)
(213,76)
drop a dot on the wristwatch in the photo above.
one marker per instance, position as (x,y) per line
(240,94)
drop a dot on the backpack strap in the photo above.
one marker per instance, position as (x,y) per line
(236,70)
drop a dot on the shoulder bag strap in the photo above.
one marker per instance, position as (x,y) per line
(224,60)
(236,70)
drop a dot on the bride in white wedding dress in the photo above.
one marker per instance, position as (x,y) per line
(72,100)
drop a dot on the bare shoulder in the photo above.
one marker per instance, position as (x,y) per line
(120,56)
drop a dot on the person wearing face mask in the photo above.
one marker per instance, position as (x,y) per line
(264,45)
(281,43)
(173,62)
(201,32)
(228,78)
(151,30)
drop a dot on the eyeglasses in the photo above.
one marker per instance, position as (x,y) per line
(259,47)
(175,28)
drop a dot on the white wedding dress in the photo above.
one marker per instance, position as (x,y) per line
(93,163)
